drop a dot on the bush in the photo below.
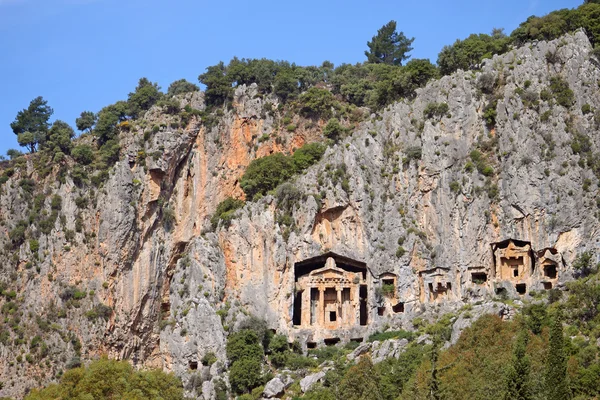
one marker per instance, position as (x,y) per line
(34,245)
(413,153)
(266,173)
(243,344)
(381,336)
(245,375)
(435,110)
(334,130)
(108,379)
(225,212)
(307,155)
(561,91)
(181,86)
(209,359)
(317,103)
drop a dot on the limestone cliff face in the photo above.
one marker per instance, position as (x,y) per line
(404,193)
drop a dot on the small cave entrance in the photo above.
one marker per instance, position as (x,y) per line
(311,345)
(501,291)
(550,271)
(521,288)
(380,311)
(332,341)
(479,278)
(398,308)
(357,340)
(547,285)
(193,365)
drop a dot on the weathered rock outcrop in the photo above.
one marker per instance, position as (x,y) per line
(407,193)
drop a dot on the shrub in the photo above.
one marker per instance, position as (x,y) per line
(455,186)
(413,153)
(245,375)
(181,86)
(264,174)
(34,245)
(561,91)
(225,212)
(435,110)
(209,359)
(490,114)
(333,130)
(17,234)
(243,344)
(381,336)
(108,379)
(317,103)
(400,252)
(307,155)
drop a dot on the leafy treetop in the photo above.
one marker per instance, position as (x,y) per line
(388,46)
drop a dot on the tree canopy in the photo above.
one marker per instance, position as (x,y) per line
(107,379)
(86,121)
(31,124)
(388,46)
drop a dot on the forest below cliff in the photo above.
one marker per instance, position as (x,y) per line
(547,348)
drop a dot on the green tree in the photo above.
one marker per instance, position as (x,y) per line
(333,130)
(107,379)
(108,118)
(13,153)
(556,382)
(83,154)
(218,85)
(266,173)
(59,138)
(243,344)
(389,46)
(317,103)
(181,86)
(245,375)
(86,121)
(31,124)
(468,53)
(361,382)
(286,85)
(517,374)
(145,96)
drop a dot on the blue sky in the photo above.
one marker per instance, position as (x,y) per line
(85,54)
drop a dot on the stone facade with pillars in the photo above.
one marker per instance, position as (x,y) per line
(331,297)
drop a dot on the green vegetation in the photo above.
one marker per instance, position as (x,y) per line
(107,379)
(225,212)
(180,87)
(435,110)
(468,53)
(561,91)
(86,121)
(245,354)
(31,124)
(266,173)
(388,46)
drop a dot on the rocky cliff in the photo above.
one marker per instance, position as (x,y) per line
(426,192)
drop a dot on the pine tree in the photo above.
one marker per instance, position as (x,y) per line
(517,376)
(557,386)
(388,46)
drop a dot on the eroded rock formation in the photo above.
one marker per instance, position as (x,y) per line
(397,220)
